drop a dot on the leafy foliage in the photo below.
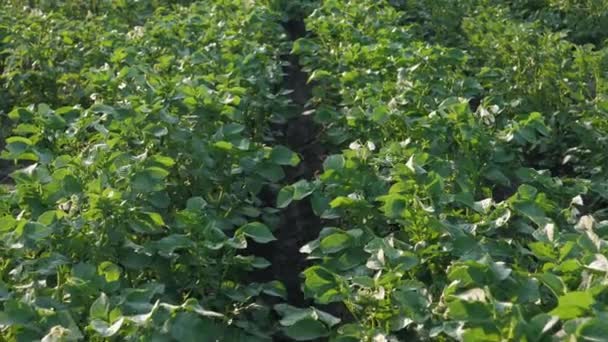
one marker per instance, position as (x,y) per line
(455,211)
(146,154)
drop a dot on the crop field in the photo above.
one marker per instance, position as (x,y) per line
(304,170)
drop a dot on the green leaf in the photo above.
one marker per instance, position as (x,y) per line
(36,231)
(17,145)
(48,217)
(281,155)
(261,263)
(188,327)
(600,264)
(413,303)
(232,129)
(335,242)
(144,318)
(162,160)
(306,330)
(320,204)
(301,189)
(224,145)
(328,319)
(100,308)
(106,330)
(532,211)
(285,196)
(16,313)
(7,223)
(155,218)
(543,251)
(156,130)
(192,304)
(593,330)
(196,203)
(573,304)
(334,162)
(475,312)
(149,180)
(144,225)
(169,244)
(259,232)
(342,201)
(322,285)
(292,315)
(20,113)
(394,205)
(271,172)
(110,271)
(541,324)
(485,334)
(553,282)
(275,288)
(318,74)
(103,109)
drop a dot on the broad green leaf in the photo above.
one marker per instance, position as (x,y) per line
(301,189)
(188,327)
(106,330)
(110,271)
(593,330)
(7,223)
(232,129)
(486,334)
(16,313)
(413,303)
(155,218)
(224,145)
(394,205)
(334,162)
(20,113)
(541,324)
(475,312)
(17,145)
(157,130)
(169,244)
(100,308)
(150,179)
(103,109)
(335,242)
(259,232)
(192,304)
(342,201)
(573,304)
(196,203)
(322,285)
(292,315)
(281,155)
(543,251)
(306,330)
(144,225)
(285,196)
(320,204)
(162,160)
(36,231)
(600,263)
(271,172)
(259,262)
(275,288)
